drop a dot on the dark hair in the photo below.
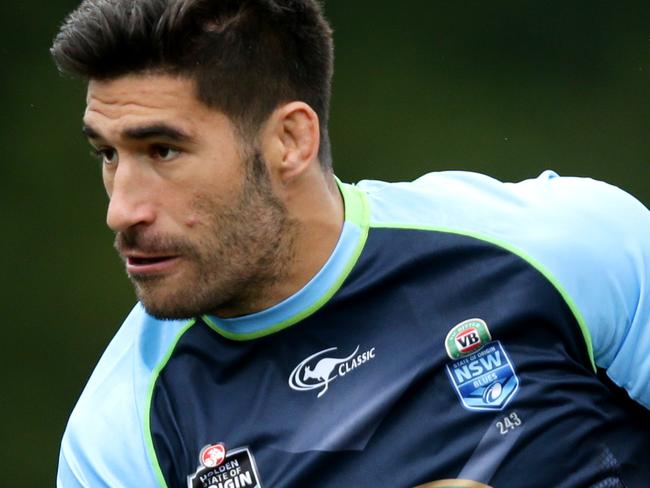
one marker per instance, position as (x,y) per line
(245,56)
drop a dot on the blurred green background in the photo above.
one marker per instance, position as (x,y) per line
(508,88)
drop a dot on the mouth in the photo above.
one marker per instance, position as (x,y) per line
(140,265)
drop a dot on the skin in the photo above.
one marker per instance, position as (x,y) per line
(204,222)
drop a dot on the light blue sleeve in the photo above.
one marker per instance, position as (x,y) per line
(68,476)
(590,239)
(107,440)
(606,270)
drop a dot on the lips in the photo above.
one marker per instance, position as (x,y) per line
(149,264)
(141,261)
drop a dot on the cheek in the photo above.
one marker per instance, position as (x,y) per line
(192,221)
(197,216)
(194,215)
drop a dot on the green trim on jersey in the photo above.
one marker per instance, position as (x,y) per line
(356,206)
(515,250)
(147,413)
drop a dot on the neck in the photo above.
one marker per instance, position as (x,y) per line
(315,212)
(317,208)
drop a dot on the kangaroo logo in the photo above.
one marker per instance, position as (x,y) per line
(313,373)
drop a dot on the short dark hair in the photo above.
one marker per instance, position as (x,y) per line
(245,56)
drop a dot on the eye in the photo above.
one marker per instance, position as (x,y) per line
(106,155)
(161,152)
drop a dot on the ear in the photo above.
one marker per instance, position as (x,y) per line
(290,141)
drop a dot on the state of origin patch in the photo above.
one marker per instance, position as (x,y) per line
(218,468)
(481,371)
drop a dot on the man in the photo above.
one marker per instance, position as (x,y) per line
(296,331)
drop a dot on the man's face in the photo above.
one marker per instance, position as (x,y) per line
(196,221)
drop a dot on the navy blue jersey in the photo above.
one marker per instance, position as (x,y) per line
(463,333)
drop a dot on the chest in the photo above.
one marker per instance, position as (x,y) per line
(402,379)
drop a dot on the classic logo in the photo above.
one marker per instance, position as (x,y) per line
(234,468)
(466,338)
(317,371)
(485,380)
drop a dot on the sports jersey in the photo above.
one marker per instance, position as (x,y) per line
(464,332)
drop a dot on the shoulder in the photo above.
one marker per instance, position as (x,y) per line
(589,238)
(106,441)
(474,202)
(550,217)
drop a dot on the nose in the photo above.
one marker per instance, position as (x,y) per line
(130,196)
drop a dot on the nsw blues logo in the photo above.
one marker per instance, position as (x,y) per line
(481,372)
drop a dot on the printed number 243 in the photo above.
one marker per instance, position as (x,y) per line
(508,423)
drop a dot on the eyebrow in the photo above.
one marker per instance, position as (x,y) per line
(157,130)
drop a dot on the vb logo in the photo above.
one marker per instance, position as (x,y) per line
(468,340)
(467,337)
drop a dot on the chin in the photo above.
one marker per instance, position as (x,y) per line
(167,306)
(163,312)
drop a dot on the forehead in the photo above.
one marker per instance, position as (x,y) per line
(117,104)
